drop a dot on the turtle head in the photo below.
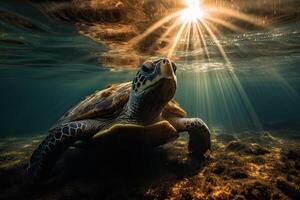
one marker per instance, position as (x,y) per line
(152,88)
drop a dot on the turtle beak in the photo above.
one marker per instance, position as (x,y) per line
(167,69)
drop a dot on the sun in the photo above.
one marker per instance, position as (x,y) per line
(193,12)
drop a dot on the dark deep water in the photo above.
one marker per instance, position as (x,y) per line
(46,67)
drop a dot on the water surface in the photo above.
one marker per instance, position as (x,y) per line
(46,67)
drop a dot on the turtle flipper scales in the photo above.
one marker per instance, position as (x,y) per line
(58,140)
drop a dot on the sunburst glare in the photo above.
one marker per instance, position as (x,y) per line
(197,21)
(193,12)
(194,32)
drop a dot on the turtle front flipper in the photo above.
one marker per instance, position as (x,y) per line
(122,136)
(199,134)
(59,139)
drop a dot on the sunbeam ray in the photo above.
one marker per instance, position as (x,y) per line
(226,24)
(177,38)
(203,41)
(195,32)
(238,15)
(168,31)
(217,42)
(154,27)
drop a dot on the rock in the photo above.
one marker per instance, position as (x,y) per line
(293,154)
(258,150)
(225,138)
(267,138)
(261,138)
(288,188)
(218,168)
(257,190)
(238,174)
(241,147)
(237,146)
(260,160)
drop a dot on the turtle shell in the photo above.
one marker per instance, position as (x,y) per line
(107,103)
(173,109)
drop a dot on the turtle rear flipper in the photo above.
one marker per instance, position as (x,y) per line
(59,139)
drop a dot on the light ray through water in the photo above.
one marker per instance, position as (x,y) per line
(192,28)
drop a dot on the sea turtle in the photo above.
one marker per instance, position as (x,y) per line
(139,112)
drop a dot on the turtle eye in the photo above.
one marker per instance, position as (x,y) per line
(145,69)
(174,67)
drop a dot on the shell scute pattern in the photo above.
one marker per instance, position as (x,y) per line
(101,103)
(106,93)
(72,131)
(73,125)
(106,101)
(65,130)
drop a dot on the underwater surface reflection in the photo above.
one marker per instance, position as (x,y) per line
(251,103)
(47,67)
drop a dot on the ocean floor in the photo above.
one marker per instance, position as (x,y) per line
(251,165)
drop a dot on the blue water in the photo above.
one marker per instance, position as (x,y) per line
(47,67)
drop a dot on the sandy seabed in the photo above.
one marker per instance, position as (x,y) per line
(251,165)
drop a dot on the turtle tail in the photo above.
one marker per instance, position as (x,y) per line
(59,139)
